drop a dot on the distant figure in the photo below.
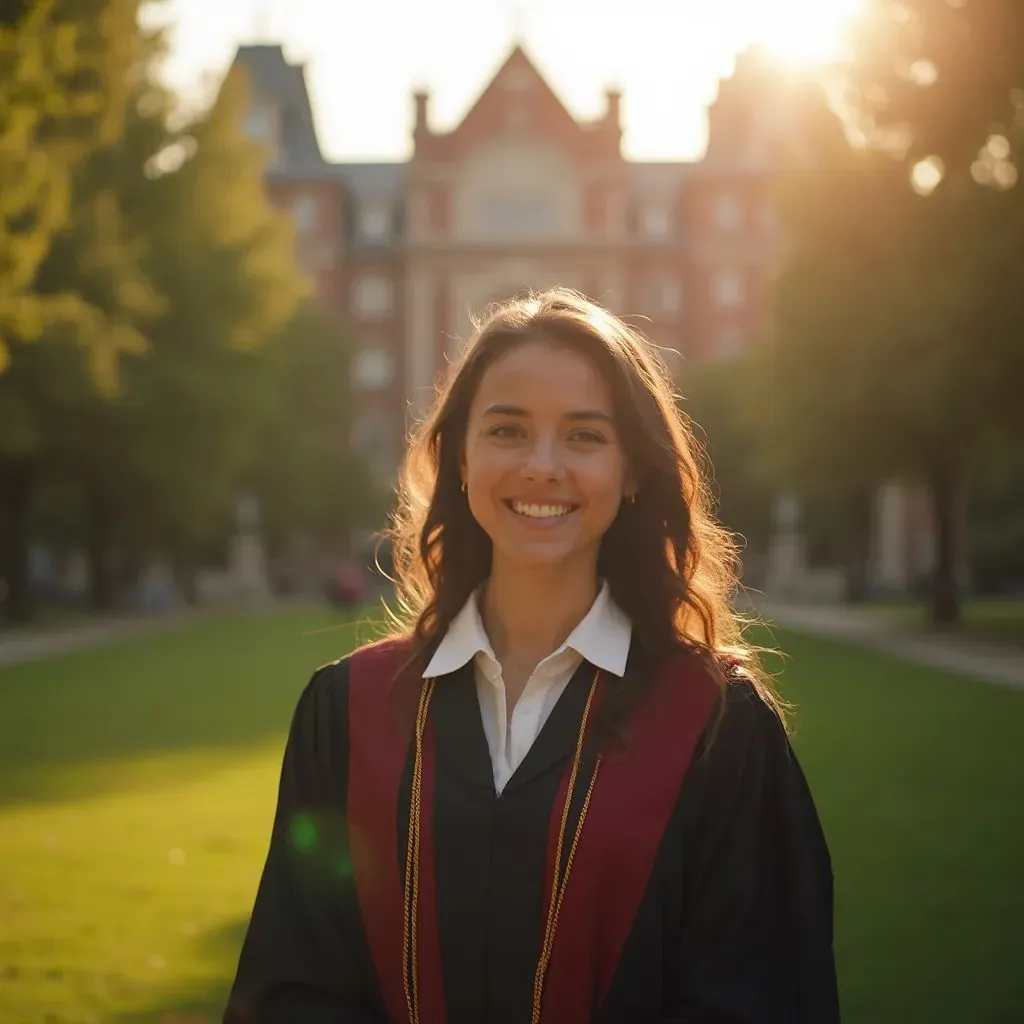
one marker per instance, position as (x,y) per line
(348,586)
(564,793)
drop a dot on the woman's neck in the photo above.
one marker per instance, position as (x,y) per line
(529,614)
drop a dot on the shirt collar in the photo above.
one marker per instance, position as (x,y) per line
(602,637)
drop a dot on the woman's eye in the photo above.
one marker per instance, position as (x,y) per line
(590,436)
(505,430)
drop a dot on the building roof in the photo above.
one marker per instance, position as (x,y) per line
(273,77)
(373,182)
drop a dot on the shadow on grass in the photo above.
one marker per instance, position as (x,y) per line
(89,722)
(200,1002)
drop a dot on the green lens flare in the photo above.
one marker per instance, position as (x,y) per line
(304,833)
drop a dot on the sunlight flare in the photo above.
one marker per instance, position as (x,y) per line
(799,33)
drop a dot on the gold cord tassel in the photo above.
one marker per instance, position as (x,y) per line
(412,859)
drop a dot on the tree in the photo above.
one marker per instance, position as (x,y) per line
(898,317)
(64,67)
(307,476)
(181,429)
(941,86)
(149,398)
(743,491)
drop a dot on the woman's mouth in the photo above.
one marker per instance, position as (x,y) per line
(546,511)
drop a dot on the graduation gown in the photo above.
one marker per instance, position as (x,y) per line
(701,890)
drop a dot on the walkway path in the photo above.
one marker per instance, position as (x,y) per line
(39,642)
(968,656)
(991,662)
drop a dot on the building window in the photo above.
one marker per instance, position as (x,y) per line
(727,212)
(374,296)
(655,221)
(375,222)
(729,289)
(729,342)
(519,214)
(664,296)
(260,124)
(373,368)
(304,213)
(375,437)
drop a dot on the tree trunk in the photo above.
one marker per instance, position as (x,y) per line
(947,493)
(859,519)
(101,521)
(16,482)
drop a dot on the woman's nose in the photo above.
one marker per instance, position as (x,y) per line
(544,460)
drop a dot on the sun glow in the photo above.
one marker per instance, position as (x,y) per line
(800,32)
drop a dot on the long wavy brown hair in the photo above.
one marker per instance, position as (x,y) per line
(670,566)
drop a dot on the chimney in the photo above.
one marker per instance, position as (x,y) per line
(613,105)
(422,125)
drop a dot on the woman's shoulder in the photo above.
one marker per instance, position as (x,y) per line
(741,711)
(377,662)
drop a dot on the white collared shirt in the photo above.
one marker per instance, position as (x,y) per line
(602,638)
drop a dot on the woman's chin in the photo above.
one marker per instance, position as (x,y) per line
(539,553)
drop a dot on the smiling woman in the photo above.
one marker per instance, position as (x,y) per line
(563,792)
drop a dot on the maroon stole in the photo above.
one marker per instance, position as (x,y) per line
(635,793)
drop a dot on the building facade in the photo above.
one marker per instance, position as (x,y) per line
(521,194)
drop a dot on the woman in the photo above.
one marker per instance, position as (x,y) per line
(565,793)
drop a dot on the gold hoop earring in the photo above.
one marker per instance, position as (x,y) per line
(631,498)
(463,488)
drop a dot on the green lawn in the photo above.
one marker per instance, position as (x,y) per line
(992,618)
(137,785)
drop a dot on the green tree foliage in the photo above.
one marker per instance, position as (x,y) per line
(163,457)
(65,69)
(896,341)
(149,400)
(304,470)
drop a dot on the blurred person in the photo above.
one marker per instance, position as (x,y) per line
(564,792)
(348,585)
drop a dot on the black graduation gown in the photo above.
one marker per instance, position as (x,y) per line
(733,924)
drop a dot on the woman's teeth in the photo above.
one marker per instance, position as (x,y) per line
(540,511)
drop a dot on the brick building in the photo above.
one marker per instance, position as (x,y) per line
(521,194)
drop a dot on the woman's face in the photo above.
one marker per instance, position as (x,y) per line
(544,467)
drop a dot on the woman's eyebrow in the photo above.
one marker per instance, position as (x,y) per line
(580,414)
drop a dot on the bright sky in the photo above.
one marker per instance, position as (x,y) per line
(364,59)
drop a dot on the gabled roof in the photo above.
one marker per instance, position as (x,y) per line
(517,74)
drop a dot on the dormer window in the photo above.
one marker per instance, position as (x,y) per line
(262,124)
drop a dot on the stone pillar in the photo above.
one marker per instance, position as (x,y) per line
(891,568)
(785,573)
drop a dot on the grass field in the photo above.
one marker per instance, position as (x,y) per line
(137,786)
(993,618)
